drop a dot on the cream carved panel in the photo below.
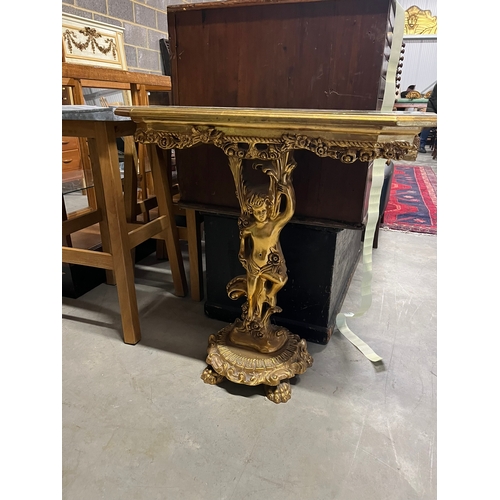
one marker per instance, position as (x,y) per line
(91,42)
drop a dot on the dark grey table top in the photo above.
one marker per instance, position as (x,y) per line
(85,112)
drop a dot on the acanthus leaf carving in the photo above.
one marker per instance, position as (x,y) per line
(259,148)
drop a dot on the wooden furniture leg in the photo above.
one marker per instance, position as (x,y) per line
(192,231)
(107,180)
(100,201)
(170,235)
(66,240)
(130,179)
(193,227)
(192,234)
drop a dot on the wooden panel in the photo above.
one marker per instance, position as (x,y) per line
(72,167)
(86,41)
(324,55)
(66,95)
(333,195)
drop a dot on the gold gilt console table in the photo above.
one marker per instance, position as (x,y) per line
(259,144)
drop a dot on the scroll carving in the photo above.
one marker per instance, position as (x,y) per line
(271,149)
(243,368)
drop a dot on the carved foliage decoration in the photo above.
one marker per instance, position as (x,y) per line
(89,37)
(271,149)
(292,360)
(86,41)
(420,22)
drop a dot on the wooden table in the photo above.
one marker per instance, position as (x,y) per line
(252,350)
(101,127)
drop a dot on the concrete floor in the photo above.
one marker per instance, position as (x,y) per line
(139,423)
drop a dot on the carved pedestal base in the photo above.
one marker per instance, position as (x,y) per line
(248,367)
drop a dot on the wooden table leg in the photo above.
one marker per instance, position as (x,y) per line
(165,207)
(195,254)
(130,179)
(66,239)
(100,201)
(104,154)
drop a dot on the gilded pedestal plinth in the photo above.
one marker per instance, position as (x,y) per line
(249,367)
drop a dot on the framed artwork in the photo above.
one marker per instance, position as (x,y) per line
(91,42)
(420,22)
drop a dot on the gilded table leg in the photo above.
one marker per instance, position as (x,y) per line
(252,350)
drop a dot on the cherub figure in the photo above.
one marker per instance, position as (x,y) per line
(263,217)
(260,250)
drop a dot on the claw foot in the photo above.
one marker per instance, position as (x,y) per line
(280,393)
(210,376)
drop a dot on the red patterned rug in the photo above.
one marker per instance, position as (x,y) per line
(413,200)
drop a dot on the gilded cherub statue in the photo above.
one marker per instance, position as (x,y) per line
(264,214)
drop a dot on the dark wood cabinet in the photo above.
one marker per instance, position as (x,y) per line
(329,54)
